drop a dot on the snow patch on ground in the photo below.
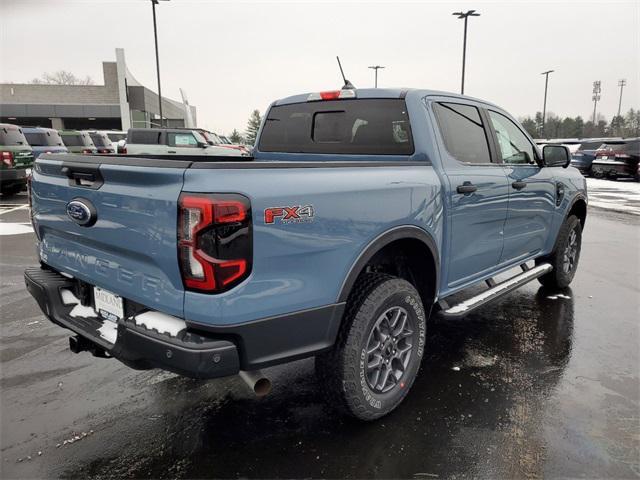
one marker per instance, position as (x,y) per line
(9,228)
(161,322)
(620,196)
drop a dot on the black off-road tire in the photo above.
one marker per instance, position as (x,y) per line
(343,373)
(560,277)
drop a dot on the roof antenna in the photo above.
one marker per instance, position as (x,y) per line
(347,84)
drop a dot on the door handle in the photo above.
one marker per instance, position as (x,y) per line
(466,188)
(519,185)
(171,151)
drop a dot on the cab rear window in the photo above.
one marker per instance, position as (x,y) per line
(359,127)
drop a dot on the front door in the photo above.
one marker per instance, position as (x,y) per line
(532,191)
(477,196)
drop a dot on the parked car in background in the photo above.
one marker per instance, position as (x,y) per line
(618,159)
(216,140)
(583,157)
(101,141)
(118,140)
(44,140)
(77,141)
(173,141)
(17,159)
(225,140)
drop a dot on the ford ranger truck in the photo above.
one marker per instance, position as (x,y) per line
(360,214)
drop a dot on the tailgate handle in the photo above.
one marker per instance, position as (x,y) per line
(83,175)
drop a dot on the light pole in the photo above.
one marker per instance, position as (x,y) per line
(621,84)
(155,34)
(376,68)
(465,15)
(544,105)
(595,98)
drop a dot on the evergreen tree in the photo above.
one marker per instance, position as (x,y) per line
(253,125)
(235,137)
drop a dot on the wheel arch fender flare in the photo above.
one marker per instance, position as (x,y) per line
(397,233)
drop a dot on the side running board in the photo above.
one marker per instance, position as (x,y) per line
(494,292)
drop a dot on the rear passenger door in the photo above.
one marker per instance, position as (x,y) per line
(532,191)
(478,192)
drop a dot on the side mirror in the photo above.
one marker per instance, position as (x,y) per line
(556,156)
(203,144)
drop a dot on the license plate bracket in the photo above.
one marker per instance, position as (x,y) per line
(108,305)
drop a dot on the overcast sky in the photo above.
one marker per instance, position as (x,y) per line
(233,57)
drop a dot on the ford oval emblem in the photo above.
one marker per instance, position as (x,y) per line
(82,212)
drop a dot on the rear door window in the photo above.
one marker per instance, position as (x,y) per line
(359,127)
(464,135)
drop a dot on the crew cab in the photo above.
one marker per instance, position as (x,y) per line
(359,215)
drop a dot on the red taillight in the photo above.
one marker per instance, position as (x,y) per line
(7,158)
(214,241)
(122,150)
(87,151)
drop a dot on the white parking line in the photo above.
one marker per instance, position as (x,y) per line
(12,208)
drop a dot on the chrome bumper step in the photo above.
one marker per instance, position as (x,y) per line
(495,291)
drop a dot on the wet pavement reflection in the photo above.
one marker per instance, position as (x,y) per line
(543,383)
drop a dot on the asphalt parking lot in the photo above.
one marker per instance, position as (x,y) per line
(539,384)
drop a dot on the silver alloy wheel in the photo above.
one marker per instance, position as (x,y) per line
(570,252)
(389,349)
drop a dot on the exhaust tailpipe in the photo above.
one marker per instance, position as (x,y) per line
(256,381)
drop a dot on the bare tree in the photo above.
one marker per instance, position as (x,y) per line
(62,77)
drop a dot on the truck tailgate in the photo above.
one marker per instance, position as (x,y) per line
(131,248)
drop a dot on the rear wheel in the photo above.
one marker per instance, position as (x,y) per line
(379,349)
(565,256)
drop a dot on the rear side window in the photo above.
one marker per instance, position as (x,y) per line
(463,132)
(11,137)
(144,137)
(359,127)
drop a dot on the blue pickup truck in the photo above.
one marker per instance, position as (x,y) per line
(359,215)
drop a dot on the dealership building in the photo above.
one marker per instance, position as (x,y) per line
(121,103)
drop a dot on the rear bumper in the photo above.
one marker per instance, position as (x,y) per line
(13,175)
(191,354)
(615,168)
(200,351)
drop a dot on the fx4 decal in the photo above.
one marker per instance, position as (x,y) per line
(295,214)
